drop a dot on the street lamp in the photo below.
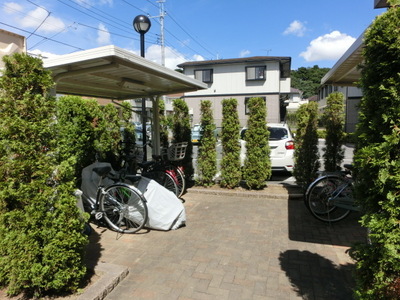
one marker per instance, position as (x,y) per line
(142,24)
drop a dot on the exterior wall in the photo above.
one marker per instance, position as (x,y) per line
(10,43)
(231,79)
(352,97)
(272,108)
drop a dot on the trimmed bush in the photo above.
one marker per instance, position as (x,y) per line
(207,153)
(41,228)
(377,161)
(333,117)
(257,165)
(230,164)
(306,142)
(182,133)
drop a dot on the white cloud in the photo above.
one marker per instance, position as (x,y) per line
(11,7)
(42,54)
(103,35)
(330,46)
(172,56)
(296,28)
(244,53)
(34,19)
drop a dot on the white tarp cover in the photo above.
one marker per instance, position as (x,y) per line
(165,210)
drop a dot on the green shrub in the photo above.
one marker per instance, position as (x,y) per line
(230,164)
(41,228)
(377,161)
(88,132)
(257,165)
(182,133)
(207,153)
(306,145)
(334,123)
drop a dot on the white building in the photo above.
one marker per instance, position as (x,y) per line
(241,78)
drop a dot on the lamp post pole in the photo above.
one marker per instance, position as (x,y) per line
(142,24)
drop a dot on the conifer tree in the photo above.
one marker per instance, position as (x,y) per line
(182,133)
(257,165)
(207,154)
(41,228)
(306,140)
(333,118)
(230,164)
(377,160)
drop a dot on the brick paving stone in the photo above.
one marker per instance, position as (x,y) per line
(234,247)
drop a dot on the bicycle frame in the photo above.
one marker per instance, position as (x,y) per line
(346,202)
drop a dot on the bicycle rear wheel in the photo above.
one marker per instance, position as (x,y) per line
(179,177)
(124,208)
(320,198)
(164,179)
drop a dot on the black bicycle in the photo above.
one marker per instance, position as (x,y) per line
(121,205)
(330,197)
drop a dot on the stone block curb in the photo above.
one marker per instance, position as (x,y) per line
(271,192)
(110,276)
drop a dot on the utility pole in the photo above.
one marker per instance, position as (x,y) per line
(162,40)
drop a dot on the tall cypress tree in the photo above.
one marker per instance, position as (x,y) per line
(334,123)
(207,154)
(41,240)
(257,166)
(182,133)
(377,160)
(306,140)
(230,164)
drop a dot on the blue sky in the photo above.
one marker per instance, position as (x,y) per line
(312,32)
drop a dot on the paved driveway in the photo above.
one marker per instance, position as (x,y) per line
(234,247)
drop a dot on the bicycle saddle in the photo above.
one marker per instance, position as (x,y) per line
(102,171)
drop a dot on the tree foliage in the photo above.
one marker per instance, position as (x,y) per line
(182,133)
(41,229)
(88,132)
(333,118)
(306,142)
(257,165)
(207,153)
(230,164)
(308,80)
(377,160)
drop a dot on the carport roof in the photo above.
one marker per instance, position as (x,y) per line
(114,73)
(346,70)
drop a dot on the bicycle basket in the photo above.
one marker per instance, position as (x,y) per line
(177,151)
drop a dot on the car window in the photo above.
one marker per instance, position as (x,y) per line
(276,134)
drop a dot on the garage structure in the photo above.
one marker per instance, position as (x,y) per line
(114,73)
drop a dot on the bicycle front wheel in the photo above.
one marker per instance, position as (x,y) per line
(321,195)
(124,208)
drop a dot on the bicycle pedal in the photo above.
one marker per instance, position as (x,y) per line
(98,215)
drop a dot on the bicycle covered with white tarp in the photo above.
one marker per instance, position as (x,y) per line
(164,210)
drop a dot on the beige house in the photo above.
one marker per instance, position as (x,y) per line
(240,78)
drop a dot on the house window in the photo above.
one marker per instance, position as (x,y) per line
(205,75)
(255,73)
(246,104)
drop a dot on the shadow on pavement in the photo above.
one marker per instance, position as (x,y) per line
(315,277)
(304,227)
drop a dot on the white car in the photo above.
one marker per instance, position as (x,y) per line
(281,144)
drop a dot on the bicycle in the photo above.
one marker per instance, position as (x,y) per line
(121,205)
(165,171)
(330,197)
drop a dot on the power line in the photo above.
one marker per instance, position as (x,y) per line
(49,39)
